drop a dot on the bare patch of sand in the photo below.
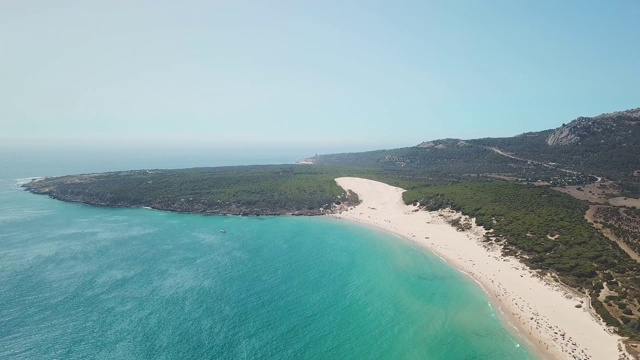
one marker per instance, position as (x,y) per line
(596,193)
(625,201)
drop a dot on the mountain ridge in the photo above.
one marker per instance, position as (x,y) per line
(603,145)
(582,127)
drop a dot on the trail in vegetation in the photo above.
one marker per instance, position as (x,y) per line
(609,234)
(500,152)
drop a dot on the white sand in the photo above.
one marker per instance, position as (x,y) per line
(540,310)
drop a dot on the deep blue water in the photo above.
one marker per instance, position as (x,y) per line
(81,282)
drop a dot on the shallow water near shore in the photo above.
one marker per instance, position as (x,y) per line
(84,282)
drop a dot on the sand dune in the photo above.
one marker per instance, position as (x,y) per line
(543,312)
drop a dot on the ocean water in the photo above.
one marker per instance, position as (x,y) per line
(80,282)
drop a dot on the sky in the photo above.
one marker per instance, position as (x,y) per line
(327,75)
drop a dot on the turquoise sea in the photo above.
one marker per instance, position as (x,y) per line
(80,282)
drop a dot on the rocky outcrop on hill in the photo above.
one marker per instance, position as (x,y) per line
(442,144)
(564,136)
(584,127)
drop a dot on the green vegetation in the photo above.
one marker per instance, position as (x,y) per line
(547,231)
(544,227)
(602,311)
(240,190)
(245,190)
(623,222)
(448,159)
(488,179)
(605,145)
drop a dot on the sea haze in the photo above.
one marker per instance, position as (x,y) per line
(85,282)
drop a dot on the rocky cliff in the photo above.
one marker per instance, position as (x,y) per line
(583,127)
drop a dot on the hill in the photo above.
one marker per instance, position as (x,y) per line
(242,190)
(604,146)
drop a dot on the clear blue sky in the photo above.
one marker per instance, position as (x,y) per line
(372,73)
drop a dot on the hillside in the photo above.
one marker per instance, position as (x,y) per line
(605,146)
(243,190)
(454,159)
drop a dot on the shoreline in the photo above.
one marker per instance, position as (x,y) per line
(543,314)
(513,325)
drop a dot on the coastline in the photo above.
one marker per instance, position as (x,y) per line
(543,313)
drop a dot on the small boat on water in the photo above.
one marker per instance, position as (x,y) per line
(223,231)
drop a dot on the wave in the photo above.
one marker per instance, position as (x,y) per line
(26,180)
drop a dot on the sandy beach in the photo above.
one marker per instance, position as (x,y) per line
(543,313)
